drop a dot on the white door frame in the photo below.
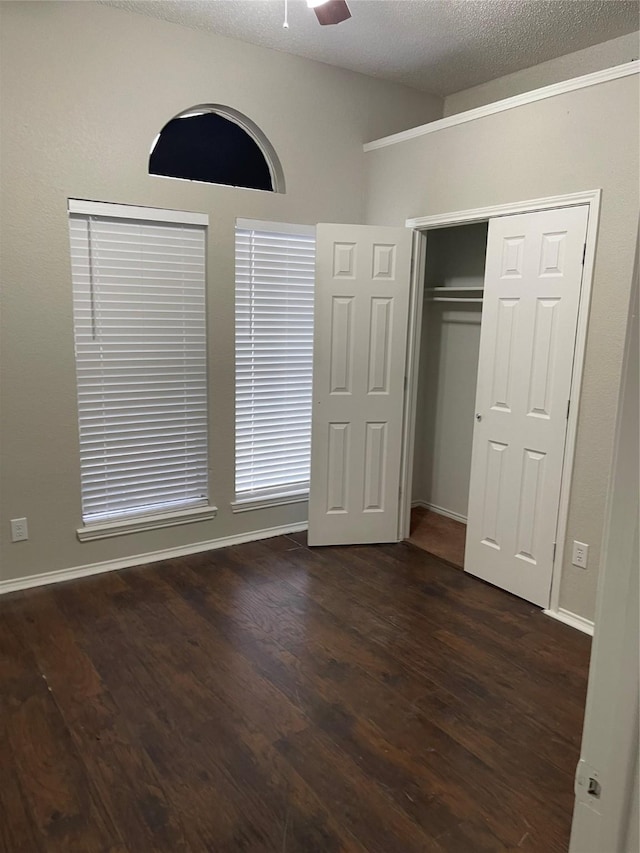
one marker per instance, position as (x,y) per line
(609,750)
(421,225)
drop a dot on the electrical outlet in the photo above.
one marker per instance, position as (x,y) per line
(580,555)
(19,530)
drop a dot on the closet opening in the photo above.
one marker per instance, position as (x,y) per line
(446,392)
(494,388)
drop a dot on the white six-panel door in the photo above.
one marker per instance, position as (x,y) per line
(361,319)
(532,290)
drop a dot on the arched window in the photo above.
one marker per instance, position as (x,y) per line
(216,145)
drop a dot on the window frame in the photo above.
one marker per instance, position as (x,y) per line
(279,495)
(143,521)
(251,129)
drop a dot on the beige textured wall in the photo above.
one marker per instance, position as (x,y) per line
(448,370)
(84,90)
(604,55)
(632,837)
(582,140)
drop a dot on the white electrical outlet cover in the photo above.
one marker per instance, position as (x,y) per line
(19,531)
(580,554)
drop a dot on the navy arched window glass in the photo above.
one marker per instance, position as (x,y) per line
(204,144)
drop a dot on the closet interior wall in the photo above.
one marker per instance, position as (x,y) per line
(447,379)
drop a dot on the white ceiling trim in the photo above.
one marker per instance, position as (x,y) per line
(509,103)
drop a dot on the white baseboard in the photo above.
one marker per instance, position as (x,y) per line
(441,511)
(141,559)
(569,618)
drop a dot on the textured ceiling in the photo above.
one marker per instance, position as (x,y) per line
(439,46)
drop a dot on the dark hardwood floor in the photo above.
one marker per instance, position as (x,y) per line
(438,535)
(269,697)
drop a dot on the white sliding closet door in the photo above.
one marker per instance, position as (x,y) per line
(360,339)
(532,290)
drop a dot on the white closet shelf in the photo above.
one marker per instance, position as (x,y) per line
(454,294)
(461,301)
(454,289)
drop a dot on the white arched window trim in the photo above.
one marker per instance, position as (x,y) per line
(250,127)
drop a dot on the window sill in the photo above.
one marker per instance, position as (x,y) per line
(141,523)
(248,504)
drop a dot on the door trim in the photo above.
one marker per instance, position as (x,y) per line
(414,331)
(423,224)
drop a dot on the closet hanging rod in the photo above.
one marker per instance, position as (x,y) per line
(463,299)
(454,289)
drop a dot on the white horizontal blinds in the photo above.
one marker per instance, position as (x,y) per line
(275,273)
(140,341)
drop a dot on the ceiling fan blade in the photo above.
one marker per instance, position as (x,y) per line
(333,12)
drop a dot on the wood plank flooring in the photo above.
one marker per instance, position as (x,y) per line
(438,535)
(269,697)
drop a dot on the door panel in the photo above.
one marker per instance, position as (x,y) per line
(532,291)
(361,318)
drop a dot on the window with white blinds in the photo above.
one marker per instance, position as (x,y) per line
(140,344)
(275,272)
